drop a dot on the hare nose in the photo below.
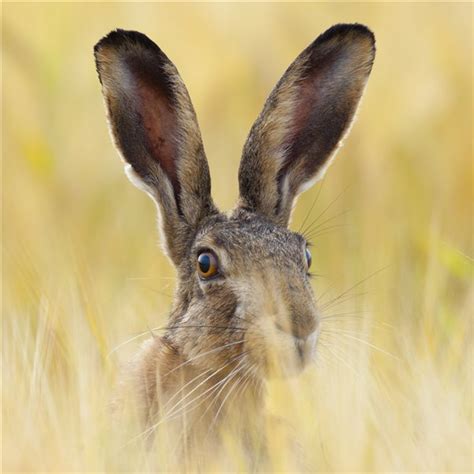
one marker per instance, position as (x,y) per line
(303,326)
(300,327)
(303,323)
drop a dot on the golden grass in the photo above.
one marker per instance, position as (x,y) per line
(82,271)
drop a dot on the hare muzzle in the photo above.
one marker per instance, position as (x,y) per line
(279,307)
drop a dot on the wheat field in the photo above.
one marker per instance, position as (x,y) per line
(84,278)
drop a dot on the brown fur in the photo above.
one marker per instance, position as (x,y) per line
(258,315)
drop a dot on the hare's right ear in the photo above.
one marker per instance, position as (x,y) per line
(154,127)
(304,120)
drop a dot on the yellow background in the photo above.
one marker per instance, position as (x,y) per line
(83,272)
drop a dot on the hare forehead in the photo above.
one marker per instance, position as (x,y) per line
(255,239)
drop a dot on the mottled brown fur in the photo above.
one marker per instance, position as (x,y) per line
(258,315)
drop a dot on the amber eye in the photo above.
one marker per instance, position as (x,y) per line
(207,264)
(308,258)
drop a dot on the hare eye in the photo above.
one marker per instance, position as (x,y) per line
(309,259)
(207,264)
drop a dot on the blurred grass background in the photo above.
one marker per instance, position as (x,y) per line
(83,272)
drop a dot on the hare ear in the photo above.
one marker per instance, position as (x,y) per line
(304,120)
(154,127)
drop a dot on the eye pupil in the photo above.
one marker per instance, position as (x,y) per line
(204,261)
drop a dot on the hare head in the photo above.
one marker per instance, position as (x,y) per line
(244,290)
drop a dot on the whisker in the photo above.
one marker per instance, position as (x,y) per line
(204,326)
(341,330)
(363,341)
(325,221)
(138,278)
(328,207)
(311,208)
(346,314)
(116,348)
(227,379)
(322,231)
(177,413)
(164,328)
(170,411)
(320,357)
(246,378)
(158,292)
(180,390)
(357,284)
(204,354)
(215,397)
(341,299)
(352,320)
(216,416)
(339,357)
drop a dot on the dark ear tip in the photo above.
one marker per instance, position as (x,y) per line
(348,32)
(344,29)
(124,43)
(122,38)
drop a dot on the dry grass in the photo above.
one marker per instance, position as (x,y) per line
(83,272)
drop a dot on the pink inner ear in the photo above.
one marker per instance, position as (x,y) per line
(321,113)
(305,133)
(159,122)
(153,103)
(307,101)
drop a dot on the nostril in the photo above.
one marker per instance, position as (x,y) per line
(300,347)
(299,327)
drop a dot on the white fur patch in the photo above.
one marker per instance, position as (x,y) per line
(137,181)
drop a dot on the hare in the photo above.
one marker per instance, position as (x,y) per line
(244,307)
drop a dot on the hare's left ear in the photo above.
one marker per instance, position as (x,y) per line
(304,120)
(154,127)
